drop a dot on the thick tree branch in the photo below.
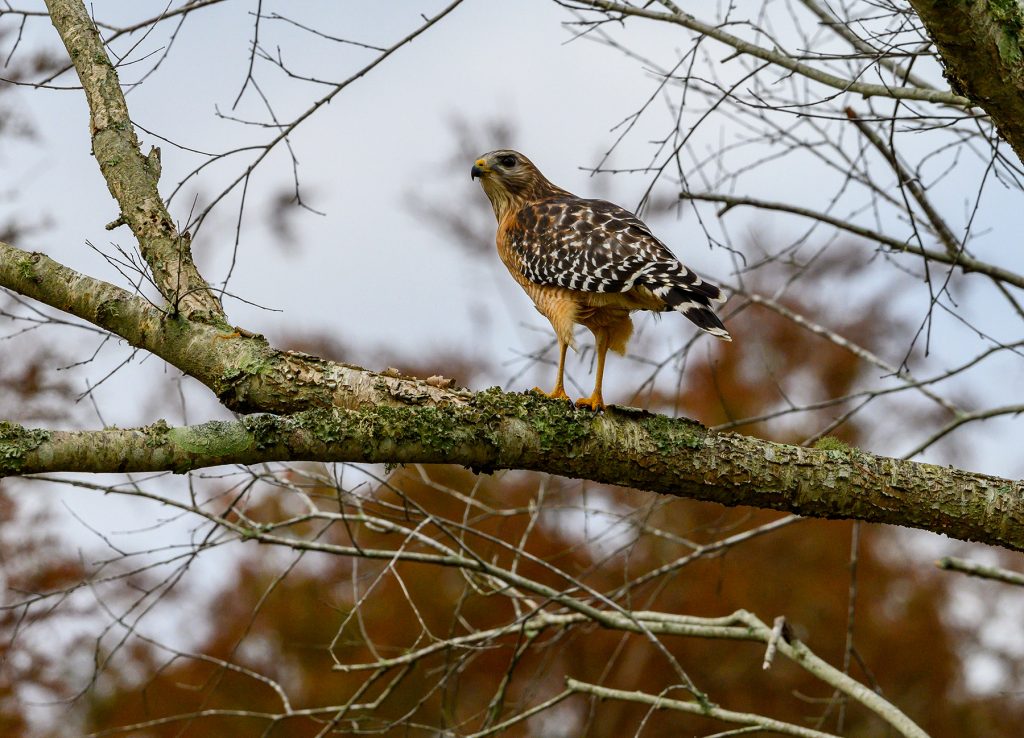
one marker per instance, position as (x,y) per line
(393,419)
(245,372)
(494,430)
(131,177)
(982,48)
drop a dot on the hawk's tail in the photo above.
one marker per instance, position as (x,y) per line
(685,292)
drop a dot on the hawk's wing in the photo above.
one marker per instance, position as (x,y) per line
(596,246)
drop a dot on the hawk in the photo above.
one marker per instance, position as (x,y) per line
(586,261)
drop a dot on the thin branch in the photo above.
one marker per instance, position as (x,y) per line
(780,58)
(974,569)
(960,259)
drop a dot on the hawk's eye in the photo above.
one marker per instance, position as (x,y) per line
(508,161)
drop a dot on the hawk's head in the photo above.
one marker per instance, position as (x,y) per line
(510,179)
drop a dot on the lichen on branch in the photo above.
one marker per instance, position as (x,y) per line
(493,430)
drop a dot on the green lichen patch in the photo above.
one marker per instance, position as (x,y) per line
(254,364)
(561,425)
(15,442)
(557,423)
(323,424)
(1008,13)
(670,435)
(232,384)
(437,430)
(1009,48)
(156,434)
(265,429)
(831,443)
(215,438)
(1008,18)
(496,401)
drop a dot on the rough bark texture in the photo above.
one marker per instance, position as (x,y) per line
(981,43)
(495,430)
(131,177)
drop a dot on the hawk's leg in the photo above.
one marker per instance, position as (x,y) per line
(558,393)
(596,401)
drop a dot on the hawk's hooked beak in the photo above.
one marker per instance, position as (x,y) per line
(479,169)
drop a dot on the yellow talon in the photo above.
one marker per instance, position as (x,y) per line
(558,393)
(595,402)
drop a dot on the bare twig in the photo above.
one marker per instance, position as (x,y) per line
(974,569)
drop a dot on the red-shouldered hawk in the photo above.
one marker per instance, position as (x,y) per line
(586,261)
